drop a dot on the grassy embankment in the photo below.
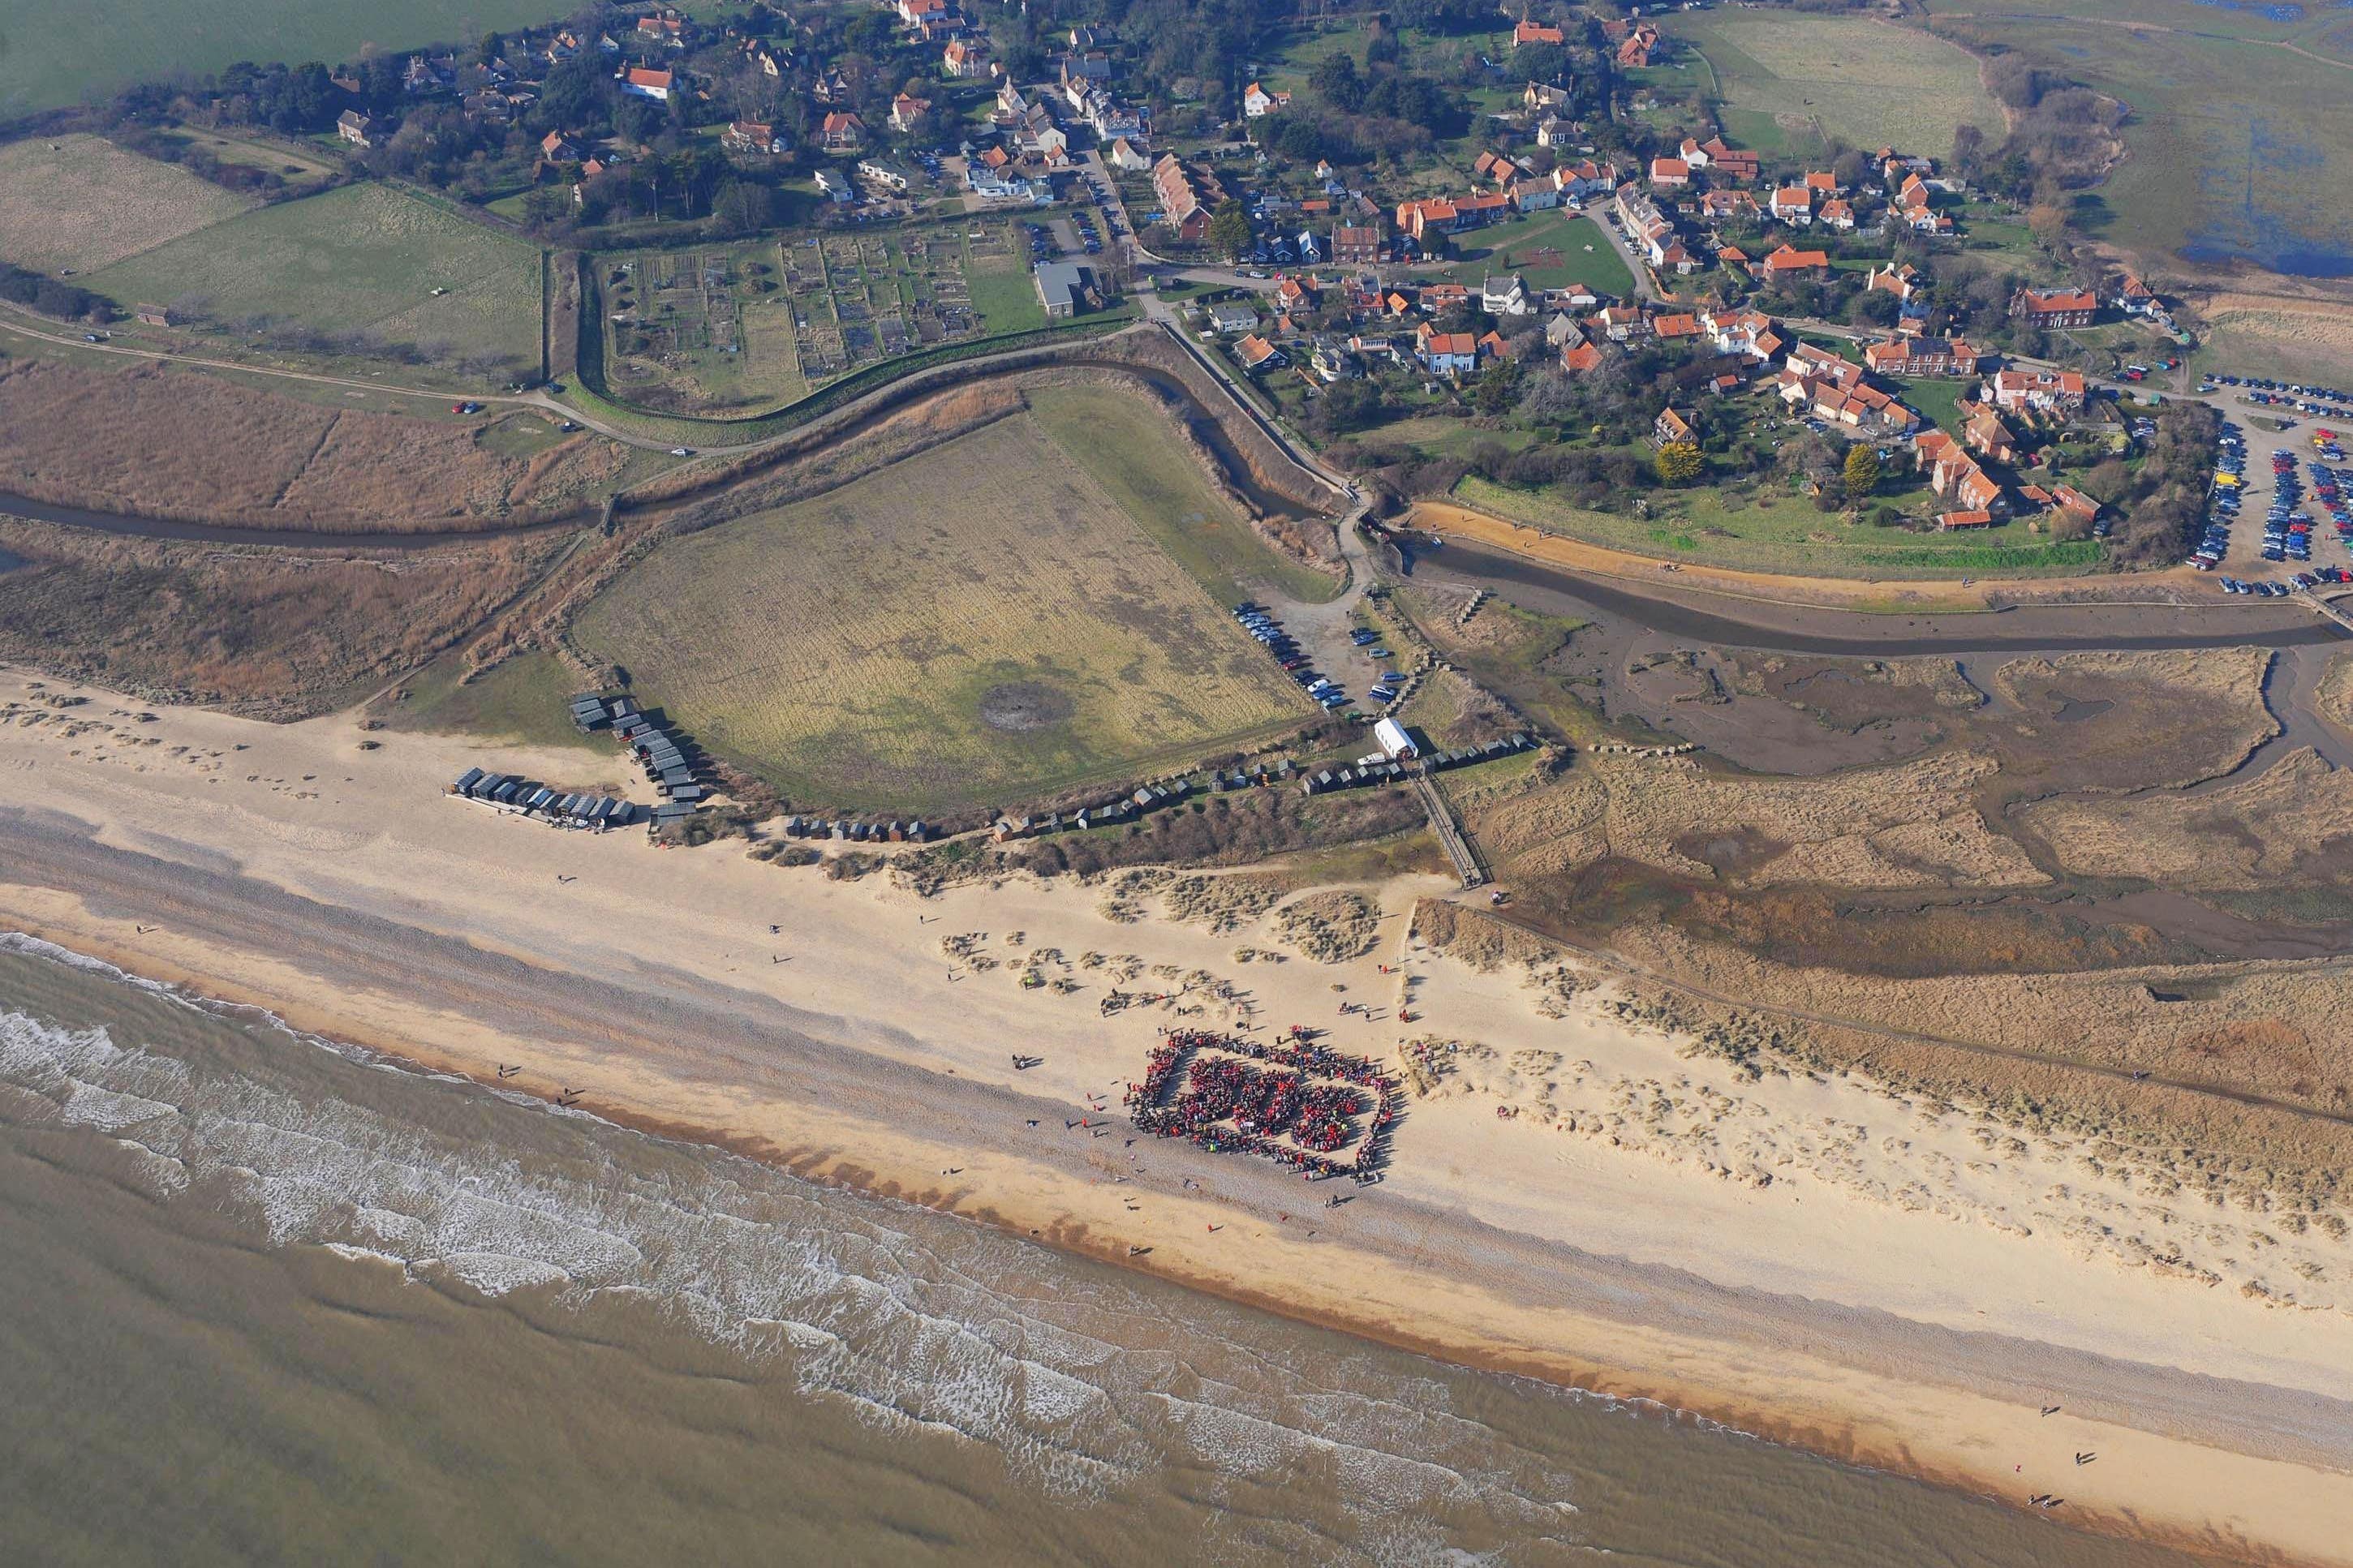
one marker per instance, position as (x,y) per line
(1773,529)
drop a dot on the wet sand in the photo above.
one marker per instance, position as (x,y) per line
(339,888)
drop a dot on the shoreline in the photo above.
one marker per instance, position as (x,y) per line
(1839,1442)
(385,918)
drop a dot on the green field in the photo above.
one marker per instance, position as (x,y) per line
(1870,83)
(359,260)
(1774,529)
(1122,439)
(53,56)
(980,624)
(2239,148)
(1528,246)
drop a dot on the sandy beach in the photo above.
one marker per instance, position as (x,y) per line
(1894,1283)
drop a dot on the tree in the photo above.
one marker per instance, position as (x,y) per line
(1496,387)
(1861,471)
(1230,229)
(1677,463)
(1335,82)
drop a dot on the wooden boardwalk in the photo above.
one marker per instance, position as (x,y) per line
(1441,822)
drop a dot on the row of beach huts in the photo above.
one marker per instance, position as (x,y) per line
(1103,813)
(1380,768)
(847,830)
(528,797)
(664,754)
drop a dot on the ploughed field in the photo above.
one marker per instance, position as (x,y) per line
(982,623)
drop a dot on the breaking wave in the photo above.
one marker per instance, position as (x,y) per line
(1081,1377)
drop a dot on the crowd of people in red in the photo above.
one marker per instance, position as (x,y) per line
(1298,1108)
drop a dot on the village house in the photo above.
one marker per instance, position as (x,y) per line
(2035,391)
(1585,177)
(1185,201)
(1673,326)
(842,131)
(2134,298)
(1492,348)
(2074,505)
(1747,334)
(1125,156)
(1669,427)
(1956,475)
(1669,174)
(1634,53)
(1728,162)
(1231,316)
(1537,192)
(1430,219)
(1620,323)
(1529,32)
(1898,278)
(965,59)
(1542,95)
(1578,358)
(1793,205)
(1505,295)
(1720,206)
(1258,103)
(640,82)
(1496,167)
(1446,354)
(1355,245)
(1788,262)
(1983,432)
(557,148)
(152,315)
(668,29)
(889,176)
(1921,356)
(751,137)
(907,112)
(355,128)
(1554,132)
(1256,354)
(1836,214)
(2057,308)
(1839,393)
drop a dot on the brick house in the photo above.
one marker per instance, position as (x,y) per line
(2058,308)
(1921,356)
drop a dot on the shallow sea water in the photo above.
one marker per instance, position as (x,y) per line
(270,1300)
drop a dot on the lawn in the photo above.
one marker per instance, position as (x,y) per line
(979,625)
(2236,145)
(1123,440)
(1937,400)
(361,259)
(1774,529)
(80,202)
(1551,251)
(1871,83)
(525,700)
(53,56)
